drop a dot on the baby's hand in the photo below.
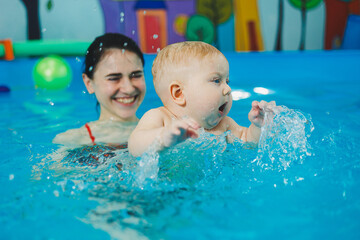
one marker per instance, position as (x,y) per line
(179,130)
(257,112)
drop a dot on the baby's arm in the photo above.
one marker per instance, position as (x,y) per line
(256,117)
(154,127)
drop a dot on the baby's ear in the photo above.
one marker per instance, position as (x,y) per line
(177,93)
(88,83)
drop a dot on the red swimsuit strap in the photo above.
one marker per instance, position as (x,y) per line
(90,134)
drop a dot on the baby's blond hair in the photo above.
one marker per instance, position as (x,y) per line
(172,58)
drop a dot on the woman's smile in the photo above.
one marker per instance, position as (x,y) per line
(126,100)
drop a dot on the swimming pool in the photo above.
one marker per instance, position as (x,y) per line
(199,190)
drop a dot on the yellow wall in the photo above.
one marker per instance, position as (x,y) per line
(247,38)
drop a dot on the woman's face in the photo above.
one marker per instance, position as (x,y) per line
(119,85)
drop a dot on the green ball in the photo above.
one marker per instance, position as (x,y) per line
(52,72)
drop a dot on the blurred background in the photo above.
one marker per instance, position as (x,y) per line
(230,25)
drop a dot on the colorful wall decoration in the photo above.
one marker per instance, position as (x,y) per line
(230,25)
(247,26)
(337,12)
(152,26)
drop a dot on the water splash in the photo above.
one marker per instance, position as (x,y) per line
(187,163)
(284,138)
(211,159)
(147,167)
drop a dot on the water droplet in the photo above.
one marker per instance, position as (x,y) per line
(285,181)
(56,193)
(144,12)
(51,103)
(125,44)
(155,36)
(121,19)
(158,49)
(133,32)
(78,59)
(122,14)
(90,68)
(11,177)
(298,179)
(123,51)
(43,30)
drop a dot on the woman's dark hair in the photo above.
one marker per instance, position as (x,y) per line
(102,43)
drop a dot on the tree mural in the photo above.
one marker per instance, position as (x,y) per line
(278,41)
(180,23)
(200,28)
(49,5)
(304,6)
(218,11)
(33,22)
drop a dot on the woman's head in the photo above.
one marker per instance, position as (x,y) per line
(105,42)
(114,72)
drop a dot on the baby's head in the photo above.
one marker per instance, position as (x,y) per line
(186,74)
(175,60)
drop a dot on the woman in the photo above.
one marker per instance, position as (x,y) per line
(114,72)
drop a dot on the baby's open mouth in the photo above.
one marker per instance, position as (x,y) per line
(222,108)
(126,100)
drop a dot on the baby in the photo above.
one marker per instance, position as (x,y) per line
(191,79)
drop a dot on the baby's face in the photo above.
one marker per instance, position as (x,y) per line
(206,90)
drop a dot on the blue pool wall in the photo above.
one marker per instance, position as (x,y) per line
(261,66)
(253,69)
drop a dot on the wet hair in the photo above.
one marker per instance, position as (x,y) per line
(101,44)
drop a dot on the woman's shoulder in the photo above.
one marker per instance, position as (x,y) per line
(73,136)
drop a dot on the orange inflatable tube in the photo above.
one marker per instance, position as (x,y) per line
(9,51)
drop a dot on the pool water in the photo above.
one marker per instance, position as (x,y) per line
(301,182)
